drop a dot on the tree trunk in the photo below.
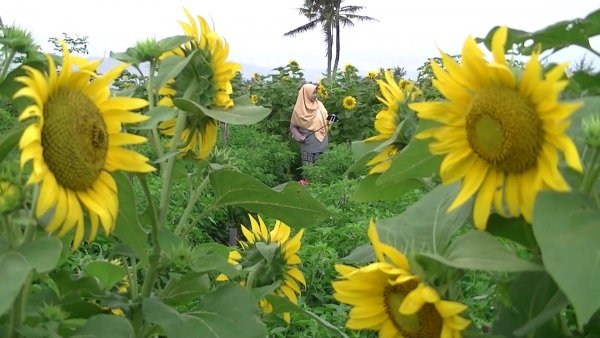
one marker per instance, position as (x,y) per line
(337,37)
(329,49)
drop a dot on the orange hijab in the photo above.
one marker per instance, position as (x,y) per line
(309,114)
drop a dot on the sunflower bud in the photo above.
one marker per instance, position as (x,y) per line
(11,191)
(591,129)
(17,39)
(148,49)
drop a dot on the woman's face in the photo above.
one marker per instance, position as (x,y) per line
(313,96)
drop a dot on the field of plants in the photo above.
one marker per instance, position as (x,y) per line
(462,203)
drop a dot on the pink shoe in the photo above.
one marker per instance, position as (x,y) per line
(303,182)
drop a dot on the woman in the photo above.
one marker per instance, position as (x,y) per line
(309,126)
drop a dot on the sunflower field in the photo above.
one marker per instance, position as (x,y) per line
(461,204)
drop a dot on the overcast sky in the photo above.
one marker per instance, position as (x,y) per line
(407,33)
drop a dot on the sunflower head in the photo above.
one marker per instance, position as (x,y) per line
(372,75)
(349,102)
(148,50)
(279,266)
(293,64)
(386,297)
(501,134)
(394,95)
(75,141)
(349,69)
(206,80)
(254,99)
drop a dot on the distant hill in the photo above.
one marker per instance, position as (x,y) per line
(247,69)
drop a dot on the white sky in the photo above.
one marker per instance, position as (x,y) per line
(408,32)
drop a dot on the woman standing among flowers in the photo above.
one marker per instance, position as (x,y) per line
(309,126)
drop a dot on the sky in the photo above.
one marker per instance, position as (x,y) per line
(406,34)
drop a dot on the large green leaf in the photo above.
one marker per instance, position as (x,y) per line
(10,139)
(555,37)
(157,115)
(369,189)
(362,254)
(228,311)
(414,161)
(242,112)
(42,254)
(185,288)
(567,228)
(14,270)
(426,224)
(171,67)
(128,228)
(106,326)
(535,300)
(290,202)
(107,273)
(478,250)
(516,229)
(209,257)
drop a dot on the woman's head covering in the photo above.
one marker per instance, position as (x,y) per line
(309,114)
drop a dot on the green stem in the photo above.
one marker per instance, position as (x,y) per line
(18,308)
(190,206)
(168,170)
(591,172)
(153,260)
(155,138)
(196,221)
(252,275)
(6,65)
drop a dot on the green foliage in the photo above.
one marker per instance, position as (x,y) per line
(331,166)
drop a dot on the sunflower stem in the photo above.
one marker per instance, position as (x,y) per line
(591,173)
(153,260)
(256,268)
(168,170)
(150,90)
(7,63)
(18,308)
(190,206)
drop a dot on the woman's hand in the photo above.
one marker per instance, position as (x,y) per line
(300,139)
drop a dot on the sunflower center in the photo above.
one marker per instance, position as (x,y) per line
(74,139)
(504,130)
(426,323)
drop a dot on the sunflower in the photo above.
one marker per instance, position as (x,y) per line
(372,74)
(349,102)
(386,297)
(283,266)
(322,90)
(200,134)
(254,99)
(501,134)
(386,122)
(76,141)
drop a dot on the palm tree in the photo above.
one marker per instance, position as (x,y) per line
(329,14)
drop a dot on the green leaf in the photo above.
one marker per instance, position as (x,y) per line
(426,224)
(290,202)
(157,115)
(267,250)
(208,257)
(107,273)
(172,42)
(555,37)
(414,161)
(567,228)
(43,254)
(535,300)
(282,305)
(14,268)
(478,250)
(360,255)
(585,81)
(369,190)
(242,112)
(182,289)
(128,228)
(515,229)
(10,139)
(106,326)
(171,67)
(228,311)
(260,292)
